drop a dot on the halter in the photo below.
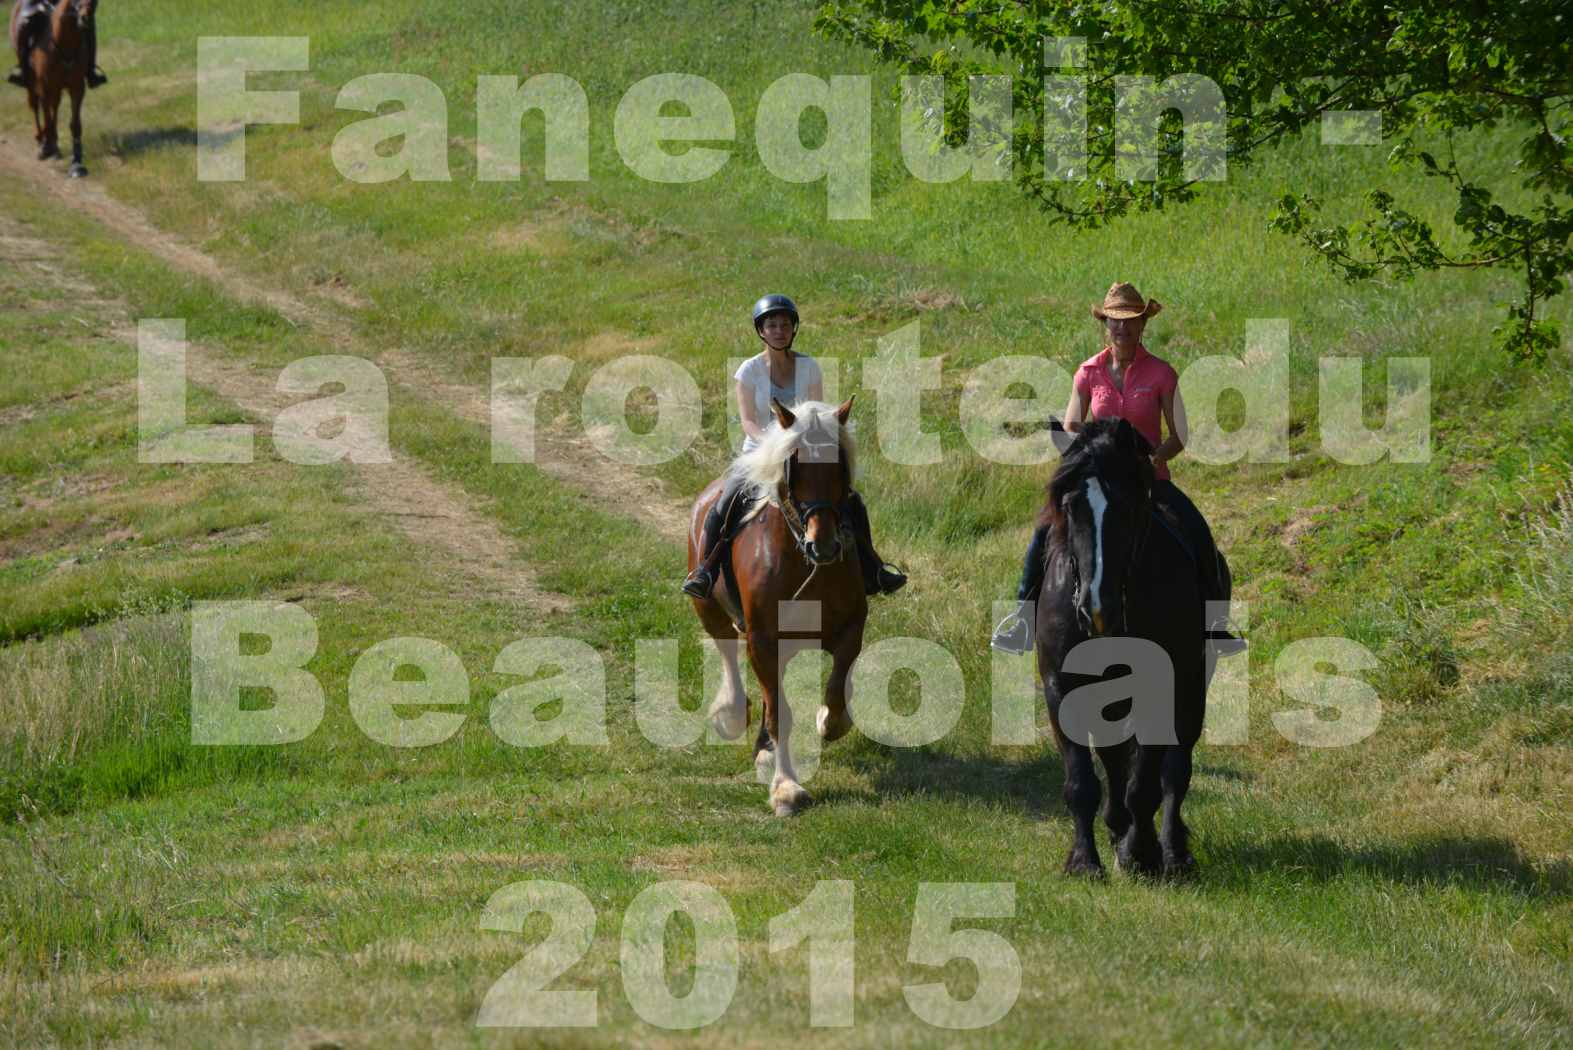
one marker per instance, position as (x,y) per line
(797,514)
(1137,549)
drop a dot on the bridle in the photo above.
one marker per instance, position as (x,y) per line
(798,513)
(1137,550)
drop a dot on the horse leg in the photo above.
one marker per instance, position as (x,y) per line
(764,754)
(1175,777)
(1116,814)
(729,709)
(1138,851)
(787,796)
(78,169)
(835,719)
(36,102)
(1175,771)
(1082,790)
(51,123)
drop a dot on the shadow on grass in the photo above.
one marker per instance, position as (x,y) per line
(1032,785)
(145,140)
(1451,860)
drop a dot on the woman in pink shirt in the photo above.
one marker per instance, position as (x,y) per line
(1125,381)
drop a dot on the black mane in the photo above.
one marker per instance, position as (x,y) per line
(1111,449)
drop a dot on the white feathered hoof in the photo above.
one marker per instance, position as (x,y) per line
(729,719)
(788,798)
(832,728)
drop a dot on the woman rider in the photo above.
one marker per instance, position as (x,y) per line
(28,16)
(780,372)
(1124,380)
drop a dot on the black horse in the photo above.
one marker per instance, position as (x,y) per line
(1116,571)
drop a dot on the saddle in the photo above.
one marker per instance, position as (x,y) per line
(743,508)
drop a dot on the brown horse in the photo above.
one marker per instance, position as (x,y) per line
(57,63)
(792,547)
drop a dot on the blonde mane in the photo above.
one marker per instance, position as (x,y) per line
(764,467)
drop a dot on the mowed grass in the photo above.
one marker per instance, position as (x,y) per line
(1414,888)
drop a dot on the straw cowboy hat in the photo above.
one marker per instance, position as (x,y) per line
(1123,300)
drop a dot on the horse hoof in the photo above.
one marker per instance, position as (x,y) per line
(1178,866)
(788,799)
(1081,864)
(832,729)
(728,719)
(1143,867)
(77,171)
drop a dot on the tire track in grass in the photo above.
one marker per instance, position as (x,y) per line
(436,517)
(618,489)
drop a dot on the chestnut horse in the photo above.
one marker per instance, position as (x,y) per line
(1117,574)
(793,546)
(56,61)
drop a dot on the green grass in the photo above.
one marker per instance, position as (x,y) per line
(1412,889)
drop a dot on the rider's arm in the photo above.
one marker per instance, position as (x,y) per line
(1174,417)
(1076,411)
(745,410)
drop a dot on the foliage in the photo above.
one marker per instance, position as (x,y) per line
(1430,69)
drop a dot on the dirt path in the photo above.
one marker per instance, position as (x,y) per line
(613,487)
(467,545)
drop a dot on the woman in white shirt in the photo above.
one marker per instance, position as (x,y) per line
(790,377)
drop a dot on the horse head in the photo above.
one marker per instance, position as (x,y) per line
(1100,507)
(816,479)
(82,11)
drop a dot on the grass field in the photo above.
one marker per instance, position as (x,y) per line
(1415,888)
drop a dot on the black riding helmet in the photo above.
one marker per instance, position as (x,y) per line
(774,304)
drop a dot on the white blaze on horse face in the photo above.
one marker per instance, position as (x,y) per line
(1099,504)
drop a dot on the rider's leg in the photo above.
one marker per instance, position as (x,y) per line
(95,76)
(717,520)
(1032,567)
(24,44)
(878,578)
(1196,530)
(1014,633)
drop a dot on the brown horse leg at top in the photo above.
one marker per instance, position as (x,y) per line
(56,61)
(773,566)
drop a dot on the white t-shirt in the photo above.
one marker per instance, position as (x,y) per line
(755,374)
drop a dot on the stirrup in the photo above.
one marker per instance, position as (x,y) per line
(698,584)
(1013,634)
(1225,644)
(891,579)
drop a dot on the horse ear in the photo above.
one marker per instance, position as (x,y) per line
(784,415)
(1061,437)
(845,410)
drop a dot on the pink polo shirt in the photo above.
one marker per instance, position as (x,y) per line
(1147,379)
